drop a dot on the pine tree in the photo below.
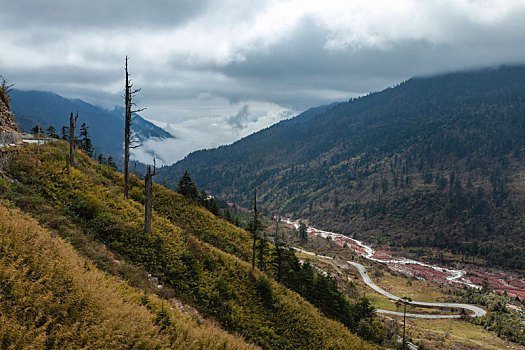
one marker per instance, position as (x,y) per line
(303,232)
(64,132)
(51,132)
(187,187)
(85,141)
(36,130)
(111,163)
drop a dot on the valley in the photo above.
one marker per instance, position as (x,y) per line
(438,328)
(508,283)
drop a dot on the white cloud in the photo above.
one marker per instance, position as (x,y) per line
(207,132)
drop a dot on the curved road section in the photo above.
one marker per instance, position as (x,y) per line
(476,311)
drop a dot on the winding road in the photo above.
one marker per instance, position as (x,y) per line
(476,311)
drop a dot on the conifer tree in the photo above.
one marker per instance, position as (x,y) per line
(303,232)
(187,187)
(36,130)
(111,163)
(51,132)
(85,141)
(64,131)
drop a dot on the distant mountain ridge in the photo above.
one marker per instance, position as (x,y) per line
(105,127)
(432,162)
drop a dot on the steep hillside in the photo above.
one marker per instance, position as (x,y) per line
(105,127)
(196,257)
(53,298)
(433,162)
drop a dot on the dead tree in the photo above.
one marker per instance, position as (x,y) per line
(148,194)
(72,126)
(129,139)
(254,227)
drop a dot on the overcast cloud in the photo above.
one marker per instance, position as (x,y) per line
(215,71)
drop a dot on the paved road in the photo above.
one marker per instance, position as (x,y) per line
(476,311)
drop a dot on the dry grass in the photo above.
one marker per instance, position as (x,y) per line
(50,297)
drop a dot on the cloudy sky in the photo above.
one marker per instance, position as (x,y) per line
(213,71)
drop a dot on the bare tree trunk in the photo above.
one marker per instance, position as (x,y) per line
(127,127)
(254,233)
(148,194)
(72,125)
(128,136)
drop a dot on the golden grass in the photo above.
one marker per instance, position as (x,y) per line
(50,297)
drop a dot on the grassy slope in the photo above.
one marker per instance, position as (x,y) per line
(52,297)
(220,285)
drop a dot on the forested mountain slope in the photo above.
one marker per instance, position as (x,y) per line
(198,259)
(434,162)
(106,127)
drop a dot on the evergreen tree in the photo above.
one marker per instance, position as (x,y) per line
(64,132)
(187,187)
(228,215)
(303,232)
(111,163)
(85,141)
(36,130)
(51,132)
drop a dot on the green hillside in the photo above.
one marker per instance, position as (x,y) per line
(198,259)
(435,162)
(51,297)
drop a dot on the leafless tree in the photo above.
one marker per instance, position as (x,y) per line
(72,126)
(148,194)
(129,139)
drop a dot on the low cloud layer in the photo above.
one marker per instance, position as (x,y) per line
(231,64)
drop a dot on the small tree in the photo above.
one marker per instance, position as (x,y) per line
(36,130)
(64,132)
(101,159)
(303,232)
(187,187)
(85,141)
(111,163)
(51,132)
(148,194)
(5,89)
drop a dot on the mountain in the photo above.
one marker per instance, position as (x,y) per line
(78,271)
(105,127)
(433,163)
